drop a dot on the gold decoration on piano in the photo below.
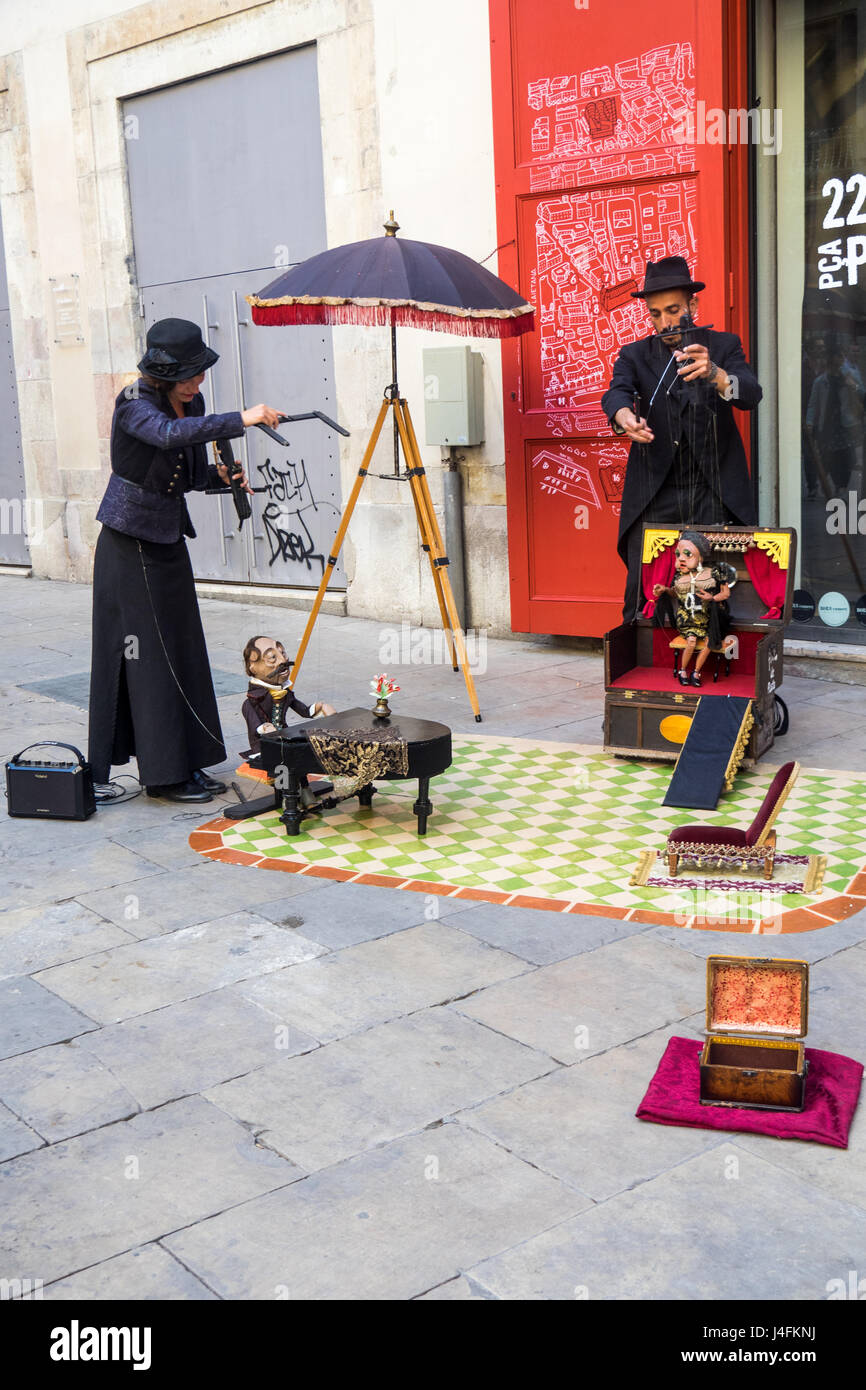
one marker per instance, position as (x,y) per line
(656,539)
(777,546)
(361,755)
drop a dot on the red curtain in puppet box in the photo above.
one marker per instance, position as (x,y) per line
(763,594)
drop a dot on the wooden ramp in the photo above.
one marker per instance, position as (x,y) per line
(711,754)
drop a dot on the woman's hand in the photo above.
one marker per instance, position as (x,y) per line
(229,478)
(261,415)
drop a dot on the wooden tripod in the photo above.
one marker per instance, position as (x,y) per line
(428,527)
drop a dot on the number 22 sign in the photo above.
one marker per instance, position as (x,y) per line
(831,260)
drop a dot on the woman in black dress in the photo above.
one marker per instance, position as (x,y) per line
(151,693)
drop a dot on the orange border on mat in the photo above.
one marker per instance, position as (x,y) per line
(208,840)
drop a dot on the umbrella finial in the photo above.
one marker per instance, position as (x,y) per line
(391,227)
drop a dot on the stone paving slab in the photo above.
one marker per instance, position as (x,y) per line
(579,1123)
(184,897)
(587,730)
(802,945)
(16,1137)
(837,990)
(839,1173)
(724,1225)
(184,1048)
(613,994)
(165,845)
(93,864)
(80,1202)
(382,979)
(32,1016)
(344,914)
(504,692)
(61,1091)
(461,1290)
(386,1225)
(27,838)
(525,932)
(34,938)
(146,975)
(148,1273)
(379,1085)
(115,823)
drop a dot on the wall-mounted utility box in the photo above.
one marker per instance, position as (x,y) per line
(453,395)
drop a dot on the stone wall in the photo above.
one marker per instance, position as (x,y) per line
(405,104)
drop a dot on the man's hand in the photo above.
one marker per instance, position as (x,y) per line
(636,429)
(227,478)
(696,366)
(261,415)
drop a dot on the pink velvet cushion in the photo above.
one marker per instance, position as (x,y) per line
(773,793)
(832,1091)
(707,835)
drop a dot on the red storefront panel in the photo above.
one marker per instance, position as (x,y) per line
(598,170)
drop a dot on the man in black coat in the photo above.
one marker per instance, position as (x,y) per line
(674,396)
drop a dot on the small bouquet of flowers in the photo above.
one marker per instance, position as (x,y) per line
(382,686)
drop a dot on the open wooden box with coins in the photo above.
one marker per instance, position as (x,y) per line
(647,712)
(757,1018)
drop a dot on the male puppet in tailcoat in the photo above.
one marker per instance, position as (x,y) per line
(687,465)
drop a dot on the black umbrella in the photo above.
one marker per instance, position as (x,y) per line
(395,283)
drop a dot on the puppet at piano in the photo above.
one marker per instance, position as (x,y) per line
(696,603)
(268,699)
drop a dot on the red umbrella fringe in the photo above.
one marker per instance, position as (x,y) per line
(402,316)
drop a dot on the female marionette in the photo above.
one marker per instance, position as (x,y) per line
(696,602)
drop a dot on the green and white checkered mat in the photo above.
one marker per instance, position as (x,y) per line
(567,823)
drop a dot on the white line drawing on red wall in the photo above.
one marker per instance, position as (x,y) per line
(613,115)
(568,472)
(605,124)
(563,474)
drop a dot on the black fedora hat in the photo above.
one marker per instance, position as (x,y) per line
(176,351)
(670,273)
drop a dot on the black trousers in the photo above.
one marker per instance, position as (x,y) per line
(151,693)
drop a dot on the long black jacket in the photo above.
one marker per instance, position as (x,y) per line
(157,456)
(686,415)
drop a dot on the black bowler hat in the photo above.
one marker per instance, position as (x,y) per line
(670,273)
(176,351)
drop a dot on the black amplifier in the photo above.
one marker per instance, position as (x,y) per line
(53,790)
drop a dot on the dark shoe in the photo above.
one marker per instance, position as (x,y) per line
(684,678)
(309,800)
(695,679)
(210,784)
(181,791)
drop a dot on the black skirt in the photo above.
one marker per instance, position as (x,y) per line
(151,693)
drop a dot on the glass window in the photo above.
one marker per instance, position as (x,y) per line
(822,72)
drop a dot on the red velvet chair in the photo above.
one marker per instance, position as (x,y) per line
(710,843)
